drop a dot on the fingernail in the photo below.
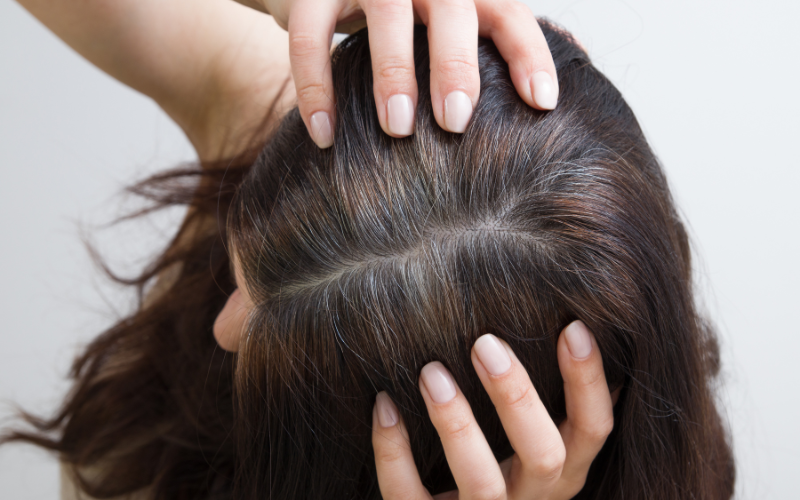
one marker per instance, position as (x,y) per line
(439,382)
(457,111)
(387,411)
(492,355)
(579,341)
(321,130)
(545,91)
(400,111)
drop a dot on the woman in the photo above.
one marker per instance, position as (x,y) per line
(169,313)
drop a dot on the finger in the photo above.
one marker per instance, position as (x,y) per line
(540,452)
(453,42)
(391,42)
(471,460)
(311,26)
(590,416)
(514,30)
(397,473)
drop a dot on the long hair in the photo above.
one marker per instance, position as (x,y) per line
(370,259)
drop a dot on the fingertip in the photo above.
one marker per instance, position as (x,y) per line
(544,89)
(579,358)
(386,411)
(457,111)
(321,129)
(578,339)
(400,111)
(311,28)
(493,355)
(437,382)
(394,461)
(453,29)
(511,352)
(521,42)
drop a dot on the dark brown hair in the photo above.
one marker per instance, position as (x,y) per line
(368,260)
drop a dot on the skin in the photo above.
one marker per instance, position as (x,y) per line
(453,29)
(218,72)
(215,67)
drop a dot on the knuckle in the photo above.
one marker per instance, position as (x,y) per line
(461,64)
(603,428)
(550,463)
(531,58)
(598,431)
(506,15)
(388,8)
(457,428)
(455,6)
(302,44)
(519,398)
(536,54)
(389,454)
(490,490)
(592,377)
(514,12)
(309,91)
(394,70)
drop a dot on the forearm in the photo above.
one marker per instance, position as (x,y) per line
(212,65)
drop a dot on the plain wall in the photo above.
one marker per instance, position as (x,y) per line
(714,85)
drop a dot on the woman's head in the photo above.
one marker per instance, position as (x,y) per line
(361,263)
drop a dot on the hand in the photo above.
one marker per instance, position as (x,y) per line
(550,462)
(453,30)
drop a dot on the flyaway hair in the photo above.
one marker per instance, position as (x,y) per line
(367,260)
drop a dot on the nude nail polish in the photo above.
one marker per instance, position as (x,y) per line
(387,411)
(321,129)
(439,382)
(545,90)
(492,355)
(400,115)
(579,342)
(457,111)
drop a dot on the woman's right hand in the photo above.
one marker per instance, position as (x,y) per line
(550,462)
(453,30)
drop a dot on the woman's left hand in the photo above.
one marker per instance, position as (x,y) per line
(550,462)
(453,30)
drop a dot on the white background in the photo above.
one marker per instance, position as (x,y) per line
(714,84)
